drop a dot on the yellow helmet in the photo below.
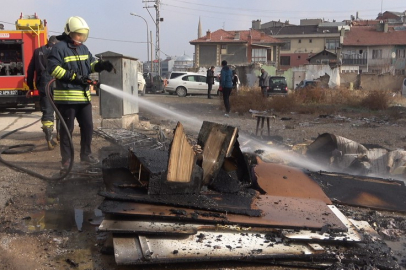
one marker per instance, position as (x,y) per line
(77,24)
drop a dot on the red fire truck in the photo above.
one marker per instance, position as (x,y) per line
(16,50)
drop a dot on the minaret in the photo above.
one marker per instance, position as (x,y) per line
(199,30)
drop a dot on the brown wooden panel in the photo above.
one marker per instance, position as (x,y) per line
(364,191)
(278,212)
(280,180)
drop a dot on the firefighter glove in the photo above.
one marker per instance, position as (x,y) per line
(103,65)
(79,79)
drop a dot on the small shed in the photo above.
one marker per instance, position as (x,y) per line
(122,78)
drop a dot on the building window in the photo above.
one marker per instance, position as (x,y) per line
(259,55)
(376,54)
(300,41)
(286,45)
(400,53)
(223,49)
(298,57)
(285,61)
(310,40)
(332,44)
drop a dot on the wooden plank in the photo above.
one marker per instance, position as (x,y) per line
(217,142)
(211,153)
(181,158)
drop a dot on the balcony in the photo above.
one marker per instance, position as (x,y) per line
(357,62)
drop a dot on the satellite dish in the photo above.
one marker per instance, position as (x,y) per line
(393,55)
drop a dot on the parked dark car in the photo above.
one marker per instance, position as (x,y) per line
(154,83)
(306,84)
(277,85)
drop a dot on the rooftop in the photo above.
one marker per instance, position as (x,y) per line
(369,36)
(223,36)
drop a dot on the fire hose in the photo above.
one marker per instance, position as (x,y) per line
(30,147)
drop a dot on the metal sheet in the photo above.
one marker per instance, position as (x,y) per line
(206,246)
(280,180)
(127,250)
(278,212)
(369,192)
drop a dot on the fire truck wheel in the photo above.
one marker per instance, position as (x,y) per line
(37,107)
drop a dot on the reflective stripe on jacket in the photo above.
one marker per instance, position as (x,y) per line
(64,61)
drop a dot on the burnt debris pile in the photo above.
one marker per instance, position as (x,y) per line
(209,201)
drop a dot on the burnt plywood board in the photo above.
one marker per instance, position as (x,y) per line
(239,203)
(182,158)
(277,212)
(147,227)
(217,142)
(352,235)
(280,180)
(154,161)
(361,191)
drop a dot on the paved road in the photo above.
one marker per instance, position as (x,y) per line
(12,119)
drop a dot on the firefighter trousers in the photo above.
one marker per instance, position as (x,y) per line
(46,107)
(83,114)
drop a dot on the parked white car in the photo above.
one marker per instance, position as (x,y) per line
(190,83)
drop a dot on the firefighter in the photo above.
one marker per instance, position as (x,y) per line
(70,63)
(38,69)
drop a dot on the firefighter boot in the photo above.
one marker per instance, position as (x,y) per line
(48,136)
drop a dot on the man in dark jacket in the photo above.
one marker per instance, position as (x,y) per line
(70,62)
(37,72)
(210,80)
(226,82)
(264,82)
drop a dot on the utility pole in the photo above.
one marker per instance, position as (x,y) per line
(158,19)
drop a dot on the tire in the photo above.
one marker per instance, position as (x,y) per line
(37,106)
(181,91)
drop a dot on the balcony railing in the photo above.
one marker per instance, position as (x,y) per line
(358,62)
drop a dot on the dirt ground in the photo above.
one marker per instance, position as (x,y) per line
(52,224)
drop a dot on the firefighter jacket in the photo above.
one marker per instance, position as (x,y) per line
(65,63)
(37,67)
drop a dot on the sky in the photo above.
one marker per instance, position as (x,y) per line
(112,28)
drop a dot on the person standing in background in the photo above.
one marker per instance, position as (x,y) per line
(37,72)
(226,82)
(236,81)
(210,81)
(264,82)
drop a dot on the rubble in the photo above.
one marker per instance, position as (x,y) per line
(218,204)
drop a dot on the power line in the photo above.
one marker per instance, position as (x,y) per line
(234,18)
(273,10)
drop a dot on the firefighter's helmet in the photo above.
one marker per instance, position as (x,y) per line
(77,24)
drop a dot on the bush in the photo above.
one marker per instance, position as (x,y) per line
(377,100)
(311,101)
(283,103)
